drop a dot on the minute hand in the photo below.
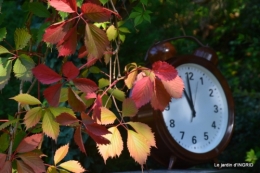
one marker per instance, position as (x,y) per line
(191,100)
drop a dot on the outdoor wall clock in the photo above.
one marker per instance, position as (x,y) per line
(197,127)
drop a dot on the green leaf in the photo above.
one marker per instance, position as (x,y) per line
(138,9)
(118,94)
(2,33)
(4,138)
(122,37)
(138,20)
(251,157)
(63,15)
(79,3)
(94,69)
(49,126)
(5,71)
(103,1)
(147,17)
(41,31)
(134,14)
(111,33)
(124,30)
(106,100)
(56,111)
(18,138)
(6,124)
(21,38)
(39,9)
(26,99)
(145,2)
(3,50)
(23,68)
(103,83)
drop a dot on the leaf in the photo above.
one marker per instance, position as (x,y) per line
(174,87)
(160,97)
(118,94)
(22,167)
(41,31)
(138,147)
(82,52)
(251,156)
(49,126)
(70,71)
(2,160)
(33,160)
(45,75)
(106,101)
(52,169)
(60,153)
(97,108)
(23,68)
(73,166)
(144,130)
(29,143)
(94,69)
(129,108)
(21,38)
(3,50)
(5,71)
(85,85)
(52,94)
(63,95)
(75,101)
(130,79)
(96,41)
(56,111)
(111,33)
(123,30)
(32,117)
(56,32)
(103,1)
(107,116)
(164,71)
(66,119)
(142,91)
(38,9)
(115,147)
(7,167)
(26,99)
(103,83)
(78,139)
(95,12)
(2,34)
(68,6)
(4,138)
(6,124)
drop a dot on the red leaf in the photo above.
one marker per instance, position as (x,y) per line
(2,159)
(85,85)
(75,101)
(78,139)
(33,160)
(96,110)
(45,75)
(6,168)
(66,119)
(164,71)
(29,143)
(68,6)
(174,87)
(52,94)
(95,12)
(161,97)
(68,45)
(91,96)
(70,71)
(82,52)
(22,167)
(96,41)
(56,32)
(142,91)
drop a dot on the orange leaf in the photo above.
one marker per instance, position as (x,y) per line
(138,147)
(107,117)
(129,81)
(73,166)
(61,153)
(29,143)
(174,87)
(115,147)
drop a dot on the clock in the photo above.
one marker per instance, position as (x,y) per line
(197,127)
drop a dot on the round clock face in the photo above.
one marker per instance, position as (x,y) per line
(197,121)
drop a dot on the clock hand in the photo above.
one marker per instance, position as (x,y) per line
(190,104)
(191,100)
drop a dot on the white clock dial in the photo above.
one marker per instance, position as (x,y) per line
(198,121)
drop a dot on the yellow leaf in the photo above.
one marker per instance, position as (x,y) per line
(138,147)
(32,117)
(56,111)
(111,33)
(129,81)
(144,130)
(49,126)
(61,153)
(26,99)
(52,169)
(115,147)
(73,166)
(107,117)
(63,95)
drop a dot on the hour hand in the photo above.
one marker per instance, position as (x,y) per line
(190,104)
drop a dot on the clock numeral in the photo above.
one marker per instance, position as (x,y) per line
(167,108)
(194,140)
(211,92)
(206,137)
(189,75)
(201,79)
(216,108)
(172,123)
(182,134)
(213,124)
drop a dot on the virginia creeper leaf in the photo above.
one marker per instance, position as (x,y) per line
(96,41)
(103,83)
(142,91)
(70,71)
(45,75)
(130,79)
(4,138)
(85,85)
(95,12)
(56,111)
(2,34)
(68,6)
(2,160)
(174,87)
(29,143)
(33,160)
(63,95)
(21,38)
(52,94)
(164,71)
(106,101)
(26,99)
(66,119)
(49,126)
(3,50)
(5,71)
(96,108)
(23,68)
(6,124)
(111,32)
(138,147)
(118,94)
(115,147)
(52,169)
(6,167)
(107,116)
(75,101)
(32,117)
(22,167)
(61,153)
(78,139)
(129,108)
(38,9)
(73,166)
